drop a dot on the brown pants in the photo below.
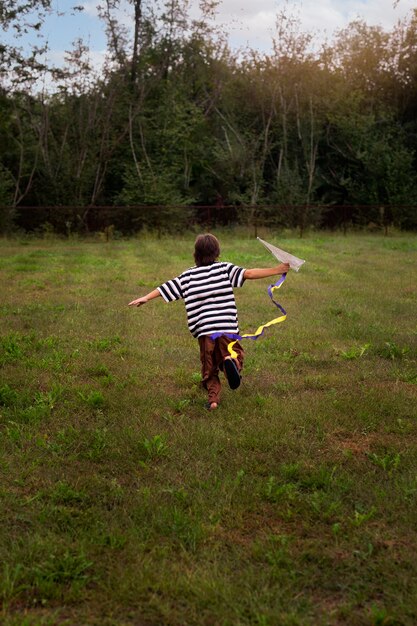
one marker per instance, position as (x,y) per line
(212,355)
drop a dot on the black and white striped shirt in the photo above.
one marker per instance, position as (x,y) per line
(208,295)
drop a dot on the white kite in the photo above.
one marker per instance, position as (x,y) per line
(295,264)
(285,257)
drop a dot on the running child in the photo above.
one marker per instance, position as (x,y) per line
(207,291)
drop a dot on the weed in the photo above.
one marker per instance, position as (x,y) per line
(106,344)
(11,585)
(196,378)
(260,400)
(315,382)
(276,492)
(359,518)
(365,553)
(33,414)
(49,398)
(389,462)
(180,405)
(390,350)
(48,342)
(49,576)
(14,432)
(65,494)
(54,361)
(185,530)
(68,438)
(98,371)
(282,387)
(410,489)
(320,478)
(180,495)
(94,399)
(324,504)
(107,381)
(336,529)
(8,396)
(231,487)
(10,348)
(114,493)
(114,541)
(239,477)
(406,377)
(343,314)
(290,472)
(356,352)
(154,447)
(98,444)
(277,555)
(380,617)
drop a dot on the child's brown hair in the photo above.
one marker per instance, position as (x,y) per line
(206,249)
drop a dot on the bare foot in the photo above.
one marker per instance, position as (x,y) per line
(213,406)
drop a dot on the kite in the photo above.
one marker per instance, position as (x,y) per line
(295,264)
(285,257)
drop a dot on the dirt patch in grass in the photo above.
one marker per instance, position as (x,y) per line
(254,526)
(408,388)
(357,443)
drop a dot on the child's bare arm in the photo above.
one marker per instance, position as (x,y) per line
(144,299)
(266,271)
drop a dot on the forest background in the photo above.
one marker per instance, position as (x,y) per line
(177,128)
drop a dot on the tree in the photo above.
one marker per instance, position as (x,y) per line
(22,61)
(6,200)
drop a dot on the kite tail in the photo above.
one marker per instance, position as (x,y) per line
(260,331)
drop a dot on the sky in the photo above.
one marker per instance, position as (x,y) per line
(250,23)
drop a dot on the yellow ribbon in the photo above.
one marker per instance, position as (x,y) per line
(261,328)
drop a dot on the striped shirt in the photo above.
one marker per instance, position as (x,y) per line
(208,295)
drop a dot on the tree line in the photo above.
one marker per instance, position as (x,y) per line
(306,135)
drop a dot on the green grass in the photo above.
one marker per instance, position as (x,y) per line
(124,502)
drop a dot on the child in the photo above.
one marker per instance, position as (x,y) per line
(207,290)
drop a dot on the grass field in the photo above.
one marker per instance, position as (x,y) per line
(124,502)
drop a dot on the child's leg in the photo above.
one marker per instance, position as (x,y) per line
(222,343)
(209,369)
(231,366)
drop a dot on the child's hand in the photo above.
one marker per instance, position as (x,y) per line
(138,301)
(283,268)
(144,299)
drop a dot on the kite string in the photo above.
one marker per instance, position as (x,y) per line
(260,331)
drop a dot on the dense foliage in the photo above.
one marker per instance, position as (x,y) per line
(175,119)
